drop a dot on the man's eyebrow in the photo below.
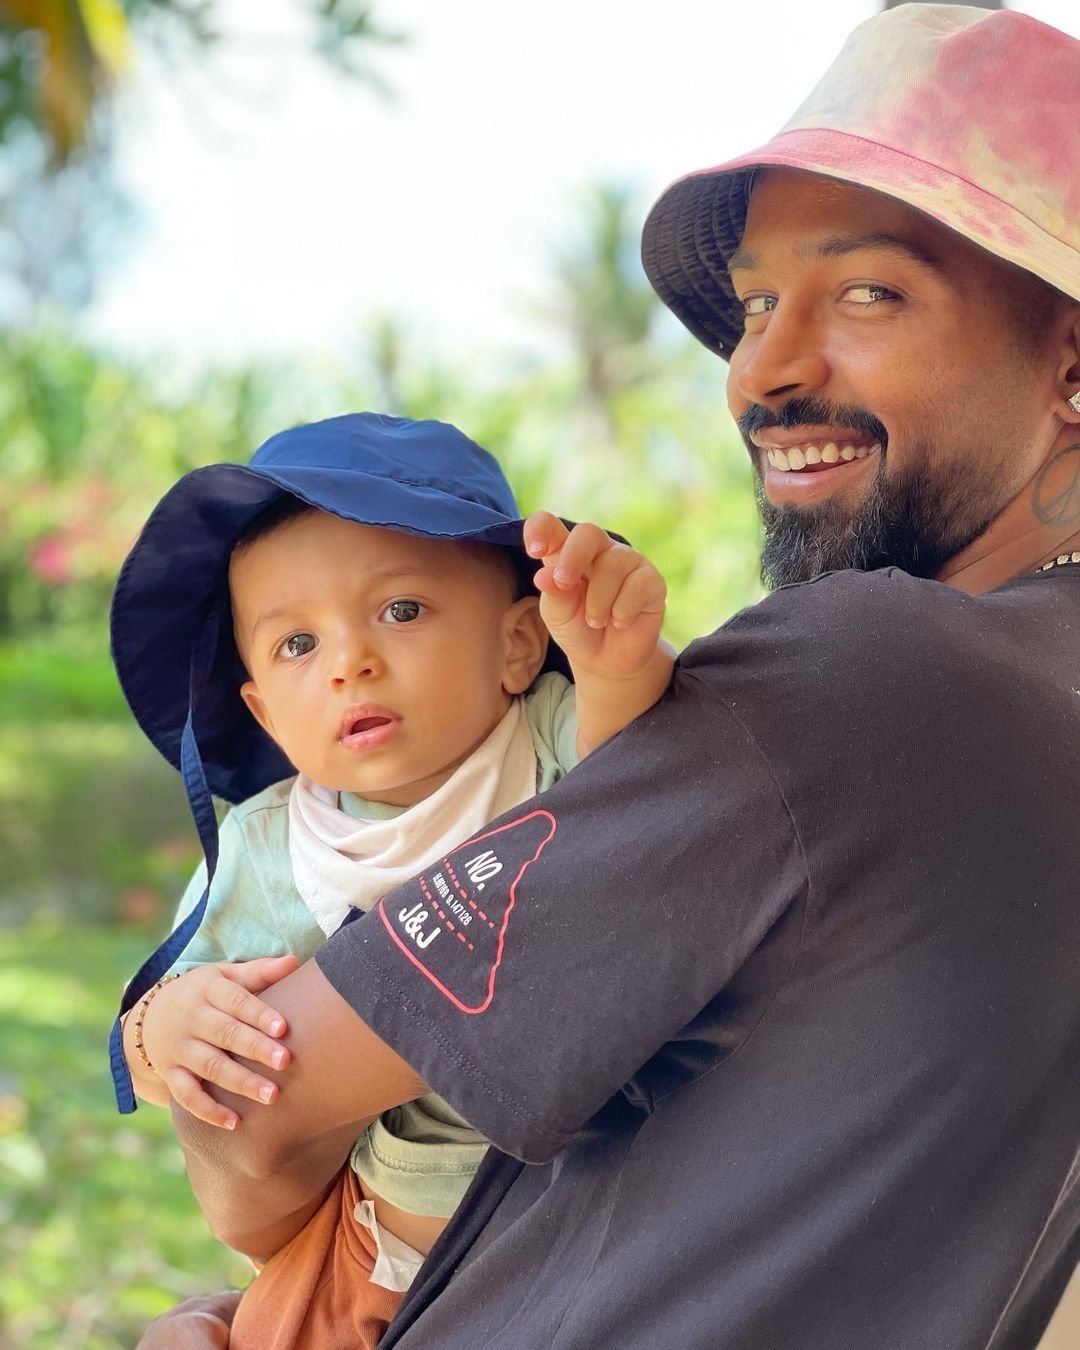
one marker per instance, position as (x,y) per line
(837,245)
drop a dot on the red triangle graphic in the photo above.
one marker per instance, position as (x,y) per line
(451,921)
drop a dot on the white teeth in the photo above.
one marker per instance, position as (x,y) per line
(798,457)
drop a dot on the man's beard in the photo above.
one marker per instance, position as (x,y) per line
(916,522)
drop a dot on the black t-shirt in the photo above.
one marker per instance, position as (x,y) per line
(777,996)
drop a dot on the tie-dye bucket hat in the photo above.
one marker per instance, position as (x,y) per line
(969,115)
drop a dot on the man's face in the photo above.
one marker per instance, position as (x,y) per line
(377,660)
(885,390)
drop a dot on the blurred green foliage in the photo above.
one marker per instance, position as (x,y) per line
(98,1229)
(60,59)
(89,443)
(99,1232)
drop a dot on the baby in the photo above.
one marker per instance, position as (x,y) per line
(349,625)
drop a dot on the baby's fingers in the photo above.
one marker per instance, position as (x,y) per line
(188,1092)
(643,591)
(229,996)
(223,1030)
(586,548)
(210,1063)
(261,973)
(544,534)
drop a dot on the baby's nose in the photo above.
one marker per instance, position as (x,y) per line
(353,661)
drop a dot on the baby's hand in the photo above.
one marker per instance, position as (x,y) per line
(602,601)
(194,1026)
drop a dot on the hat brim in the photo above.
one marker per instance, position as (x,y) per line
(697,223)
(175,581)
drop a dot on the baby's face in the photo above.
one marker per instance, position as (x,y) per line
(378,661)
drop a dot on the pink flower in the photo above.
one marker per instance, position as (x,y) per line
(50,561)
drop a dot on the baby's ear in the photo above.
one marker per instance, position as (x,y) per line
(256,706)
(525,643)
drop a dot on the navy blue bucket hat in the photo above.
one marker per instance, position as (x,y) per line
(171,624)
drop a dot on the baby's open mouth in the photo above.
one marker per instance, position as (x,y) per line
(367,724)
(366,720)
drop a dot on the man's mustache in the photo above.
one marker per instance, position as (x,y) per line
(801,412)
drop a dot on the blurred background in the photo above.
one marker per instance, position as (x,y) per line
(222,217)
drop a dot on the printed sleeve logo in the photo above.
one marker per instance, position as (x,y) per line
(451,921)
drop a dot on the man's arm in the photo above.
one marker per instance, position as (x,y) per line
(200,1323)
(260,1183)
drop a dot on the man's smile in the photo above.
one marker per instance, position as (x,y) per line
(806,464)
(808,457)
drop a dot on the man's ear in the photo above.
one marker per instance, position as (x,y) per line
(524,643)
(1068,383)
(256,707)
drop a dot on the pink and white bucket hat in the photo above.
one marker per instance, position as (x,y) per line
(967,114)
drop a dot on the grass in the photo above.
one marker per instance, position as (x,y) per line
(128,842)
(44,679)
(98,1229)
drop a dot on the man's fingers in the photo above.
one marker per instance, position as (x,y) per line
(544,534)
(196,1324)
(188,1092)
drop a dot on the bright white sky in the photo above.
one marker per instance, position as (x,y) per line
(283,206)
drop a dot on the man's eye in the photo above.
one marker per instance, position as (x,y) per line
(868,293)
(758,304)
(402,611)
(298,645)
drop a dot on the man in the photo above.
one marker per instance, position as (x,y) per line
(780,1005)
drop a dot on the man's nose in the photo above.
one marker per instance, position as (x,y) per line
(786,359)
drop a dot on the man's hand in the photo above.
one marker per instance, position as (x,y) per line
(196,1324)
(602,602)
(194,1026)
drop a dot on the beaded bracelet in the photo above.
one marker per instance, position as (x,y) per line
(141,1013)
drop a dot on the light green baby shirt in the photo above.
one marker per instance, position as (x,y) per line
(420,1156)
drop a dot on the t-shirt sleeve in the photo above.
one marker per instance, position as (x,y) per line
(551,711)
(529,974)
(239,922)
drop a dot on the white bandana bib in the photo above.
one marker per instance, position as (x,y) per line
(341,862)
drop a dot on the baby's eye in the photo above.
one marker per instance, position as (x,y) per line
(758,304)
(299,644)
(402,611)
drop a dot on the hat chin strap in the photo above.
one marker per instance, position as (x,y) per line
(202,809)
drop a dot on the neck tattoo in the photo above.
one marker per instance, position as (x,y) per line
(1056,499)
